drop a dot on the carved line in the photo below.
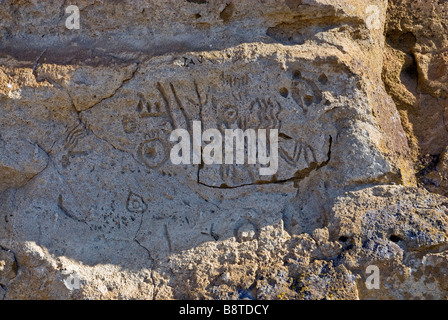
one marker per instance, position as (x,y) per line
(168,238)
(181,107)
(73,137)
(308,152)
(141,153)
(167,104)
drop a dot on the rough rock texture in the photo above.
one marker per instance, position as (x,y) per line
(88,191)
(415,73)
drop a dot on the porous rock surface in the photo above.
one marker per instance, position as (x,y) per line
(88,191)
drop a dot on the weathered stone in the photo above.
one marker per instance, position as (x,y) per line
(91,206)
(399,230)
(20,161)
(415,75)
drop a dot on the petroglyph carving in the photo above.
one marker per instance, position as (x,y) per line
(135,203)
(118,221)
(153,152)
(72,139)
(148,109)
(235,81)
(305,92)
(129,124)
(191,61)
(296,151)
(178,115)
(233,115)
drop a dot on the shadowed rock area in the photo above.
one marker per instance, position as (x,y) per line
(88,191)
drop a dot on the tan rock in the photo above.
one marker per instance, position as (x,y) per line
(91,206)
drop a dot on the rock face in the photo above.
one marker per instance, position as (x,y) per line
(415,75)
(92,207)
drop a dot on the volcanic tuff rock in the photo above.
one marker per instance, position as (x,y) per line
(88,192)
(415,75)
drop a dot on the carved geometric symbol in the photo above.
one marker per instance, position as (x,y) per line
(73,137)
(300,151)
(135,203)
(229,114)
(147,109)
(153,153)
(129,125)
